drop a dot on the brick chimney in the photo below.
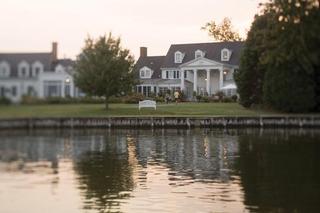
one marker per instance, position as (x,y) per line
(143,52)
(54,51)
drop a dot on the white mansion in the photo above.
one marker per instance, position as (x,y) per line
(204,68)
(36,74)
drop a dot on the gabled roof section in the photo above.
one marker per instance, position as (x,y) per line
(152,62)
(13,59)
(212,50)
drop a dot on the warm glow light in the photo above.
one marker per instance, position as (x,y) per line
(135,21)
(224,72)
(67,80)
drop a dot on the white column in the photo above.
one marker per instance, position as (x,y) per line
(182,79)
(208,82)
(221,78)
(195,81)
(62,85)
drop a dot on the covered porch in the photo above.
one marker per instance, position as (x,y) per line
(207,76)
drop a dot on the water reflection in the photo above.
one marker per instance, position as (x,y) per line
(161,170)
(280,171)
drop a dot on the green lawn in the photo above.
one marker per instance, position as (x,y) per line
(94,110)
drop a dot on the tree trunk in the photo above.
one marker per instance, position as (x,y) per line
(107,103)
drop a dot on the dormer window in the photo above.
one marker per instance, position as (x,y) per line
(199,54)
(178,57)
(4,69)
(225,54)
(37,68)
(23,69)
(145,72)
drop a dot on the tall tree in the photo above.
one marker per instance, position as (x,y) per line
(294,61)
(223,31)
(104,68)
(283,68)
(250,76)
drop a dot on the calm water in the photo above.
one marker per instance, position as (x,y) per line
(160,171)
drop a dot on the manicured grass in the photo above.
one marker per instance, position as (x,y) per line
(97,110)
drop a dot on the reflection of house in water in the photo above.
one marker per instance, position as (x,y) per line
(198,155)
(47,148)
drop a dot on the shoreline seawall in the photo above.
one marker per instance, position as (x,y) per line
(162,122)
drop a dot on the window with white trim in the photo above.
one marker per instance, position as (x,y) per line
(198,54)
(4,69)
(145,72)
(23,69)
(225,55)
(178,57)
(37,68)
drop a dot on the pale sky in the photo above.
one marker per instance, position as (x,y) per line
(31,25)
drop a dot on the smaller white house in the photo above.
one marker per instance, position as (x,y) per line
(200,68)
(36,74)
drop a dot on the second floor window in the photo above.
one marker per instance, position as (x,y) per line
(178,57)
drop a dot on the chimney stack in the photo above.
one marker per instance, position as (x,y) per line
(54,51)
(143,52)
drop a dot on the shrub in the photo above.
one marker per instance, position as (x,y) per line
(234,98)
(4,101)
(89,100)
(159,99)
(205,99)
(199,97)
(227,100)
(115,100)
(220,94)
(27,99)
(133,98)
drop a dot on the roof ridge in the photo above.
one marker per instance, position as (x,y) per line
(23,53)
(215,42)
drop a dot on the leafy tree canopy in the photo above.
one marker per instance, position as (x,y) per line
(281,58)
(104,68)
(223,31)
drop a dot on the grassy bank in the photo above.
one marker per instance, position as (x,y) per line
(94,110)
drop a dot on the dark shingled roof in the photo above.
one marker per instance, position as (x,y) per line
(15,58)
(63,62)
(152,62)
(212,52)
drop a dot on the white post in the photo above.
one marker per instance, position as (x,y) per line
(62,86)
(221,79)
(182,79)
(195,81)
(208,82)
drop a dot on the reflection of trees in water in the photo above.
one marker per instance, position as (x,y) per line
(105,175)
(280,171)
